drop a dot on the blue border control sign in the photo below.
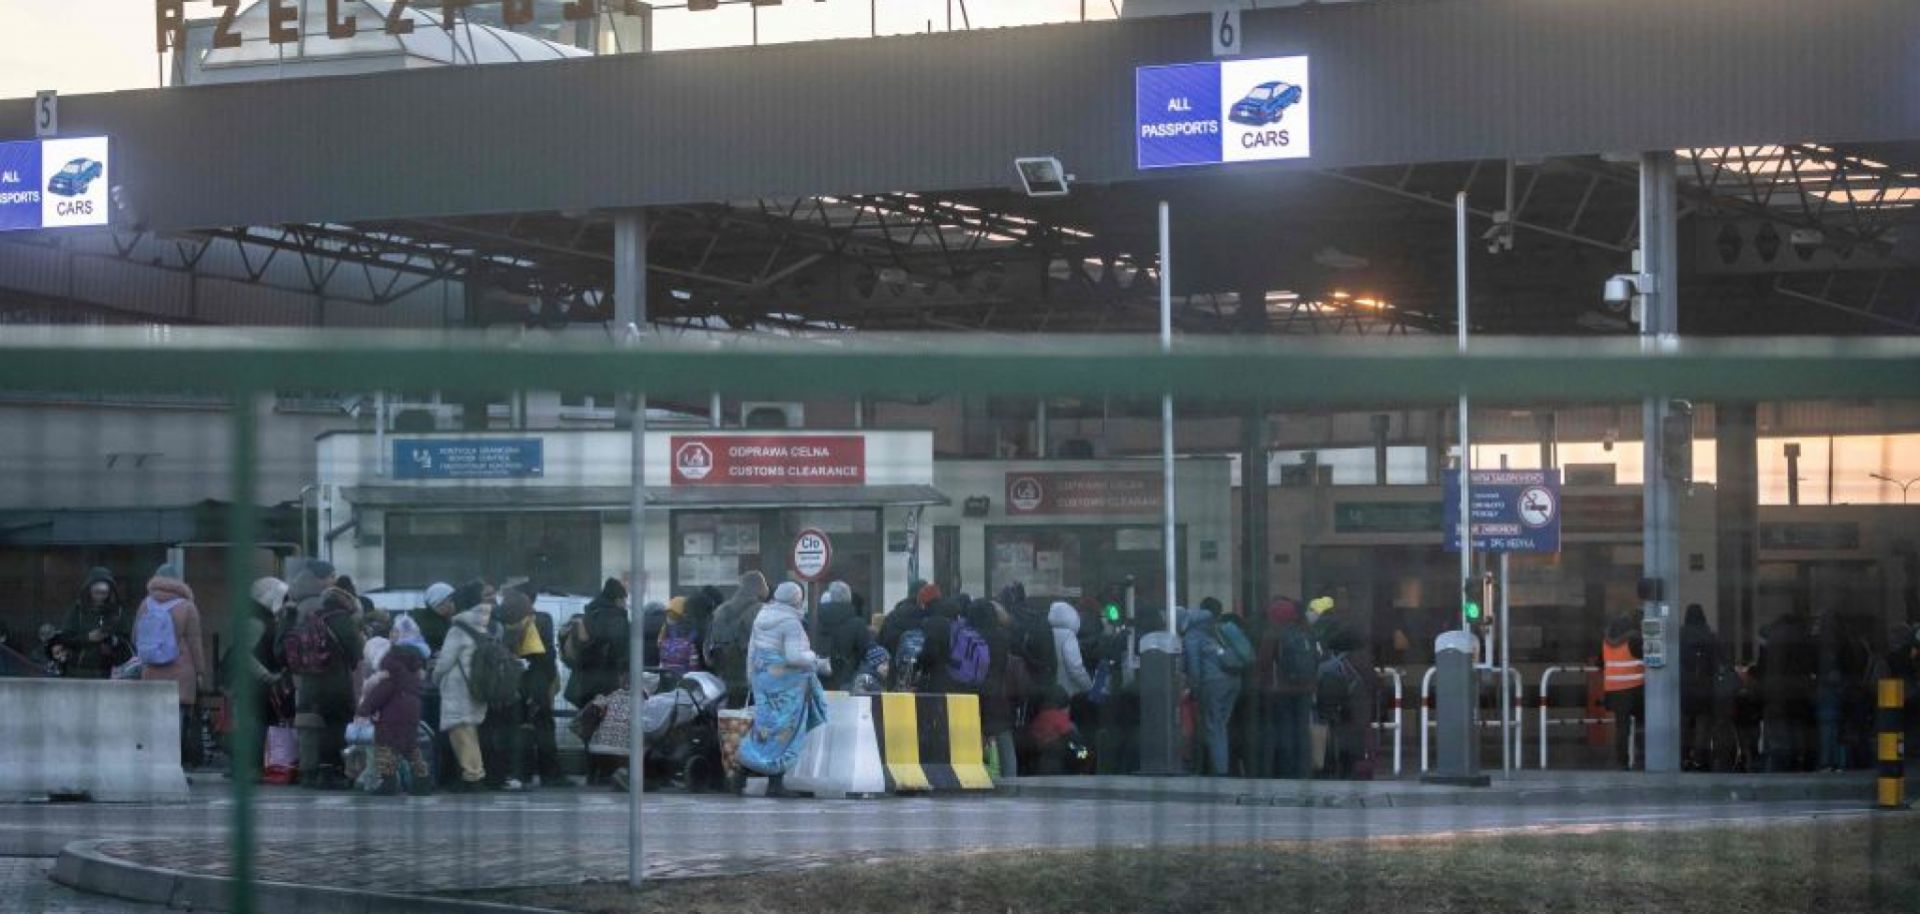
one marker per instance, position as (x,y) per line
(472,458)
(1222,112)
(1513,510)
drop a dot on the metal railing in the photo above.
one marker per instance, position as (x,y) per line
(1546,719)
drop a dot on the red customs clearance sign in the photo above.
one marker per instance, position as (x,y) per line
(769,460)
(1083,493)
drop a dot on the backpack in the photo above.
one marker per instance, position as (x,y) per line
(969,657)
(1297,665)
(575,640)
(1236,653)
(153,637)
(677,650)
(1102,683)
(493,676)
(727,642)
(906,663)
(310,647)
(1334,690)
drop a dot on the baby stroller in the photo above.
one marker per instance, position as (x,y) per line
(683,733)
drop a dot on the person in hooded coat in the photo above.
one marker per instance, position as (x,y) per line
(729,638)
(393,703)
(253,655)
(844,634)
(1215,689)
(604,659)
(1070,669)
(1286,669)
(168,594)
(460,714)
(323,702)
(788,702)
(99,631)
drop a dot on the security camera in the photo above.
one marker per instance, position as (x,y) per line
(1042,176)
(1621,289)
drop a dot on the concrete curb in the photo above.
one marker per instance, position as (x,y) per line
(83,867)
(1593,796)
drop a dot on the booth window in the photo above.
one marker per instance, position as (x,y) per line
(560,550)
(714,548)
(1066,562)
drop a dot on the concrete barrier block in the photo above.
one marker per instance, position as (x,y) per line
(842,758)
(112,742)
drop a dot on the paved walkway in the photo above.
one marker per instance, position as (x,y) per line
(25,889)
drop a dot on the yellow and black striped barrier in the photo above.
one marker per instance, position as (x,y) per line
(931,742)
(1892,792)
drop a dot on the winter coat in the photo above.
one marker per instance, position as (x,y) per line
(190,672)
(91,659)
(653,618)
(332,689)
(998,693)
(541,680)
(1285,636)
(1072,675)
(906,616)
(1787,666)
(394,700)
(605,659)
(457,705)
(1201,649)
(1699,660)
(733,623)
(777,627)
(844,638)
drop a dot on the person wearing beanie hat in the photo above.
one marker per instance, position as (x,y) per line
(601,631)
(268,593)
(434,618)
(788,702)
(324,698)
(323,570)
(927,594)
(844,635)
(730,634)
(174,634)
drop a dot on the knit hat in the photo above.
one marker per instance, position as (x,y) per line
(406,633)
(790,594)
(929,592)
(677,608)
(837,592)
(1212,605)
(514,608)
(268,593)
(613,591)
(437,593)
(168,570)
(1320,605)
(321,568)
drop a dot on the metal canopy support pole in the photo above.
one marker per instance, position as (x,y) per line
(1256,555)
(1466,449)
(630,315)
(1159,742)
(714,417)
(1659,329)
(1166,415)
(241,686)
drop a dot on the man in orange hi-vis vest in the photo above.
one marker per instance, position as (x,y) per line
(1625,676)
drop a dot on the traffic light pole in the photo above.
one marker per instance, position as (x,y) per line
(1507,697)
(1466,451)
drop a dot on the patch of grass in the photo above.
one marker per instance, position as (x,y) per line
(1842,866)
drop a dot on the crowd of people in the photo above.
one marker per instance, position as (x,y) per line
(460,693)
(1806,703)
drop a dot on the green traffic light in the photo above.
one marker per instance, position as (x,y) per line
(1473,611)
(1113,612)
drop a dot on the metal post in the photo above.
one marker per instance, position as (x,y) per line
(241,687)
(1466,447)
(1166,413)
(714,418)
(630,316)
(1507,696)
(1041,431)
(380,433)
(1659,328)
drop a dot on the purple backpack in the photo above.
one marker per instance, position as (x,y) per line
(967,661)
(677,649)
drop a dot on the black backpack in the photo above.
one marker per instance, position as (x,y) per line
(1333,694)
(493,675)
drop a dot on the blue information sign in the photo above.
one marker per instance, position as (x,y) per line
(54,183)
(472,458)
(1221,111)
(1513,510)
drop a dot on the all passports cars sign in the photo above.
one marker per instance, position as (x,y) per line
(53,183)
(1222,111)
(769,460)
